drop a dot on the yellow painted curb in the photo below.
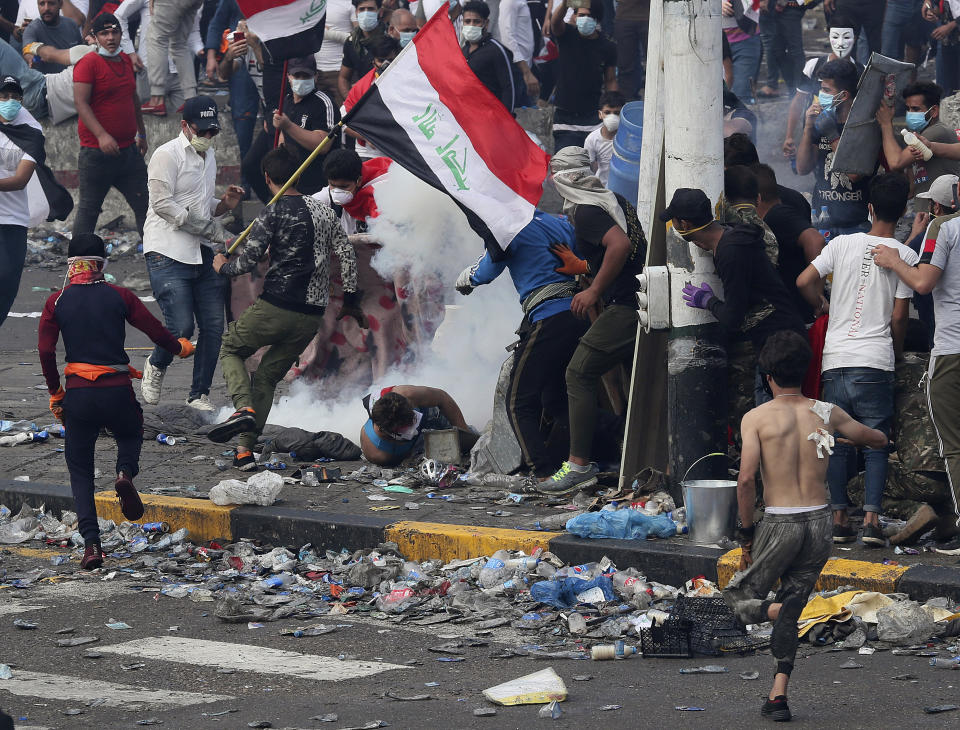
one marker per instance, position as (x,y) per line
(435,540)
(30,552)
(837,572)
(204,519)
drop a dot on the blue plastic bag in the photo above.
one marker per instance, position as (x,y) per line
(568,592)
(626,524)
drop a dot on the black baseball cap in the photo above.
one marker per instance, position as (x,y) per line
(203,112)
(688,204)
(10,83)
(103,21)
(303,64)
(86,244)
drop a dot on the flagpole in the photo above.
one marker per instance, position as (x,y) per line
(324,143)
(283,93)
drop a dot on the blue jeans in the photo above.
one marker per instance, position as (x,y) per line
(185,292)
(244,106)
(902,25)
(948,68)
(746,65)
(867,395)
(13,251)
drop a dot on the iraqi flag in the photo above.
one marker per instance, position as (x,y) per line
(287,28)
(433,116)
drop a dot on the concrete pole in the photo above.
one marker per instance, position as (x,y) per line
(693,141)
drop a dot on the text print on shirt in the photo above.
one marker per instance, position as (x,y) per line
(865,263)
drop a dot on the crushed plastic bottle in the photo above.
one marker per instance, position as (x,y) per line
(495,571)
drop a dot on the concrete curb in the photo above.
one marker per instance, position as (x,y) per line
(665,562)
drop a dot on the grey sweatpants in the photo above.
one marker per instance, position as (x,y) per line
(790,548)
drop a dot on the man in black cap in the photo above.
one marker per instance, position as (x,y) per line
(756,303)
(304,119)
(180,227)
(113,140)
(92,315)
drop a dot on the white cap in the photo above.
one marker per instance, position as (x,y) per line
(941,190)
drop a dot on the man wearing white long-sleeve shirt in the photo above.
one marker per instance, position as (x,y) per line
(180,222)
(513,28)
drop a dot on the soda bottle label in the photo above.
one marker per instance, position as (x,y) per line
(494,564)
(398,594)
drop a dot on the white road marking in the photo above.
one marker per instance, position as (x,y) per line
(76,689)
(243,657)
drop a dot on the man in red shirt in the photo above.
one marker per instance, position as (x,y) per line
(112,138)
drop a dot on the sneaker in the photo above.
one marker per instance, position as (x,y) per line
(157,110)
(245,461)
(949,548)
(844,533)
(568,480)
(201,403)
(873,536)
(242,421)
(946,527)
(921,521)
(776,709)
(784,638)
(151,383)
(130,503)
(92,557)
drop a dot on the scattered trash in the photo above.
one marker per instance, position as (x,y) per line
(608,708)
(78,641)
(550,711)
(686,708)
(407,698)
(749,676)
(261,489)
(624,524)
(708,669)
(532,689)
(118,626)
(850,664)
(603,652)
(484,712)
(5,672)
(260,723)
(21,623)
(940,708)
(945,663)
(904,622)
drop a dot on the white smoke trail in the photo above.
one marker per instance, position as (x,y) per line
(425,234)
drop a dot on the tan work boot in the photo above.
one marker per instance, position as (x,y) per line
(921,521)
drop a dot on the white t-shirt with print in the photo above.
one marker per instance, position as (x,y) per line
(861,301)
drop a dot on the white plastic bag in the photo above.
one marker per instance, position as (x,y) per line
(261,489)
(904,622)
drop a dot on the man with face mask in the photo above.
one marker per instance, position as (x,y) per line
(383,49)
(586,67)
(922,100)
(841,38)
(176,245)
(844,196)
(868,323)
(403,26)
(357,60)
(489,60)
(599,143)
(113,140)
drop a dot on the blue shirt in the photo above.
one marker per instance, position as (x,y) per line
(531,262)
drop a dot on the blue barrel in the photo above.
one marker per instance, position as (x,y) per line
(625,163)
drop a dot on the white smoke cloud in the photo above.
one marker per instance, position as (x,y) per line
(423,232)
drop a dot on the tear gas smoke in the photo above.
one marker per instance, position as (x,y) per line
(424,233)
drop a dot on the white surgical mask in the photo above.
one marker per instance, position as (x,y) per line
(104,52)
(406,36)
(201,144)
(367,19)
(341,197)
(841,41)
(586,24)
(301,87)
(611,122)
(471,33)
(9,109)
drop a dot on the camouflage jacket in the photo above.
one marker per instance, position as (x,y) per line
(299,233)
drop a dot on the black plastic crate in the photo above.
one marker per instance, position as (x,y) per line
(670,641)
(713,627)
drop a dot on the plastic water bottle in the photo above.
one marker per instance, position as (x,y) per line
(495,571)
(823,223)
(164,439)
(619,650)
(942,662)
(17,438)
(17,426)
(913,141)
(546,570)
(576,624)
(524,564)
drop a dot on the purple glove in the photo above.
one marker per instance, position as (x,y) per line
(697,296)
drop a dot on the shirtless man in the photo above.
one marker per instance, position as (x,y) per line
(789,439)
(399,414)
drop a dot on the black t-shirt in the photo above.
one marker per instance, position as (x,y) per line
(749,279)
(591,224)
(844,199)
(360,61)
(787,225)
(793,199)
(314,112)
(582,65)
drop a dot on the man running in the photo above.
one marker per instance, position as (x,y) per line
(789,439)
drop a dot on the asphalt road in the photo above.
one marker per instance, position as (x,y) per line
(180,665)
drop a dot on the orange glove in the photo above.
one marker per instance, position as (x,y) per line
(571,265)
(56,404)
(186,347)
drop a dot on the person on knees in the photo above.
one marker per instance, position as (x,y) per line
(868,310)
(92,315)
(299,233)
(180,224)
(788,440)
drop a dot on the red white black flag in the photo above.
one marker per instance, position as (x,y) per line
(287,28)
(434,117)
